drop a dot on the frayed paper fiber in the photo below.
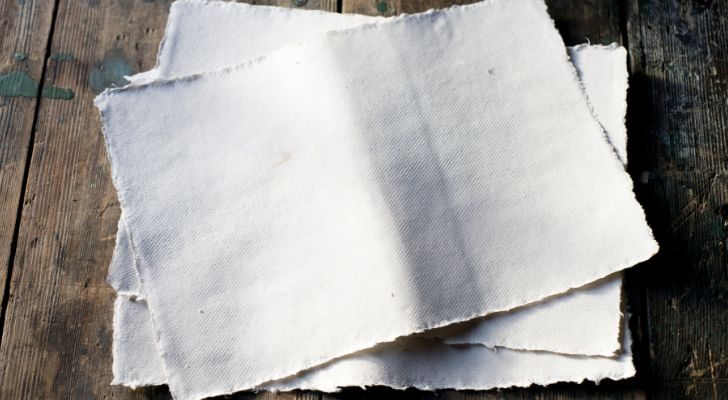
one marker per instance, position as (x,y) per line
(272,235)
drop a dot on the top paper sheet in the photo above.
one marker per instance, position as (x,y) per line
(560,322)
(362,186)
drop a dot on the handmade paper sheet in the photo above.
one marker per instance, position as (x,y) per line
(137,361)
(271,27)
(585,321)
(369,209)
(413,362)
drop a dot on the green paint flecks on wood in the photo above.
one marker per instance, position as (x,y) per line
(20,56)
(110,71)
(53,92)
(17,84)
(62,57)
(382,7)
(20,84)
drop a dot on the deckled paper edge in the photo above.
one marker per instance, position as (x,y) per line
(623,369)
(616,346)
(152,75)
(621,153)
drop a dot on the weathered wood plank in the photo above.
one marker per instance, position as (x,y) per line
(296,395)
(555,392)
(678,121)
(395,7)
(326,5)
(577,21)
(596,21)
(24,31)
(57,340)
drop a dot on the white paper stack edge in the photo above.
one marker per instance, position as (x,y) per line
(291,208)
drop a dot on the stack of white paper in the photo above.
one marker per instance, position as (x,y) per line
(315,200)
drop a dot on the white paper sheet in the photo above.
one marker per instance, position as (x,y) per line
(138,198)
(584,321)
(123,275)
(137,361)
(416,362)
(427,364)
(604,75)
(271,27)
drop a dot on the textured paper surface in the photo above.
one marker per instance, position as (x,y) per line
(578,322)
(604,75)
(412,362)
(428,365)
(362,163)
(584,321)
(123,275)
(137,361)
(272,27)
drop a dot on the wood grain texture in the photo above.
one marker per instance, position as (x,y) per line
(597,21)
(678,123)
(554,392)
(24,31)
(326,5)
(57,338)
(395,7)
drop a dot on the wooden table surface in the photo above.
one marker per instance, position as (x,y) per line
(58,208)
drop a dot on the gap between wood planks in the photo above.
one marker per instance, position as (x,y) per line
(26,170)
